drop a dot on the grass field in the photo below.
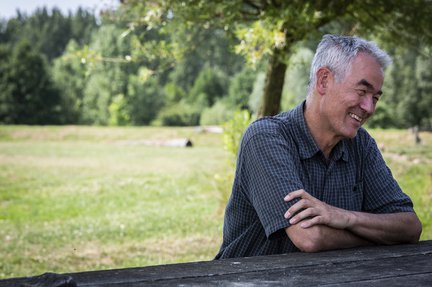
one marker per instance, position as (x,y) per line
(86,198)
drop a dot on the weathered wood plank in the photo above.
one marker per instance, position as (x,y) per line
(410,263)
(407,271)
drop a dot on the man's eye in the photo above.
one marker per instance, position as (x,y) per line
(375,99)
(361,92)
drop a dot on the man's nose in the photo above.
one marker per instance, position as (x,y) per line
(367,104)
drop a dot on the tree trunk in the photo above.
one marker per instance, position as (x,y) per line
(274,83)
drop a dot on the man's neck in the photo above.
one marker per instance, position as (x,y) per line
(319,129)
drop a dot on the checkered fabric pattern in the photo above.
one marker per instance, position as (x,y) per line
(278,155)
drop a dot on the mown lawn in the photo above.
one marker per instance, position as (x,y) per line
(86,198)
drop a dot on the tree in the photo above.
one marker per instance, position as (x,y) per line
(415,97)
(272,28)
(109,73)
(146,98)
(82,25)
(207,46)
(240,88)
(27,94)
(69,75)
(6,87)
(210,85)
(49,31)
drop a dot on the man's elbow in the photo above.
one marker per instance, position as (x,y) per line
(307,240)
(410,231)
(415,230)
(309,246)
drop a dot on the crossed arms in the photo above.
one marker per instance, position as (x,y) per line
(317,226)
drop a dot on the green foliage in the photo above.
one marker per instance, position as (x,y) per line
(27,94)
(188,47)
(146,99)
(382,117)
(69,76)
(217,114)
(408,88)
(50,31)
(6,88)
(119,115)
(108,77)
(418,103)
(273,28)
(98,95)
(297,78)
(180,114)
(233,131)
(256,97)
(206,47)
(210,85)
(240,88)
(173,93)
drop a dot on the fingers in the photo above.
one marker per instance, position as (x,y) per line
(303,203)
(307,216)
(306,213)
(311,222)
(309,211)
(297,194)
(306,210)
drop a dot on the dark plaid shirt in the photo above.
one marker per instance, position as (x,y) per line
(278,155)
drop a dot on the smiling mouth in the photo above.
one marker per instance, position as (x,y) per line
(356,117)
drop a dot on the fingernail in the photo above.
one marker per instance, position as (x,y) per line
(287,215)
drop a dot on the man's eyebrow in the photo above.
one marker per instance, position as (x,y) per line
(368,85)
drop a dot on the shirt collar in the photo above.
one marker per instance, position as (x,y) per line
(305,140)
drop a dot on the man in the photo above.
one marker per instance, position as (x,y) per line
(312,179)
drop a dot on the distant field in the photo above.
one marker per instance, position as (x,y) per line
(85,198)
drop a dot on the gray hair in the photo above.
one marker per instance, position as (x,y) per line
(336,53)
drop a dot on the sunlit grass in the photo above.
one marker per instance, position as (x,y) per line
(98,199)
(87,198)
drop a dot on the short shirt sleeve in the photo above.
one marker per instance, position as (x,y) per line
(269,166)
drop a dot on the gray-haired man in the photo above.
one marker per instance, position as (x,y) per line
(312,179)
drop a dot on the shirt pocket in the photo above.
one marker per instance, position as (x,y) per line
(349,197)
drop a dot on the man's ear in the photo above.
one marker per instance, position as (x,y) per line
(324,76)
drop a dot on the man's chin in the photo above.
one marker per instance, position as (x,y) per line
(352,133)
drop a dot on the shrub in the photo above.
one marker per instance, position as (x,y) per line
(180,114)
(233,132)
(218,114)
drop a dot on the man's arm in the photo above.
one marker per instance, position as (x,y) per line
(390,228)
(321,223)
(321,237)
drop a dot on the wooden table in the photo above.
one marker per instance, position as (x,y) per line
(399,265)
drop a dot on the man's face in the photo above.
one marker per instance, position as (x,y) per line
(348,104)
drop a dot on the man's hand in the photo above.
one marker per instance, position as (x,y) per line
(311,211)
(317,226)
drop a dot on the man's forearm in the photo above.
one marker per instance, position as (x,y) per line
(321,237)
(385,228)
